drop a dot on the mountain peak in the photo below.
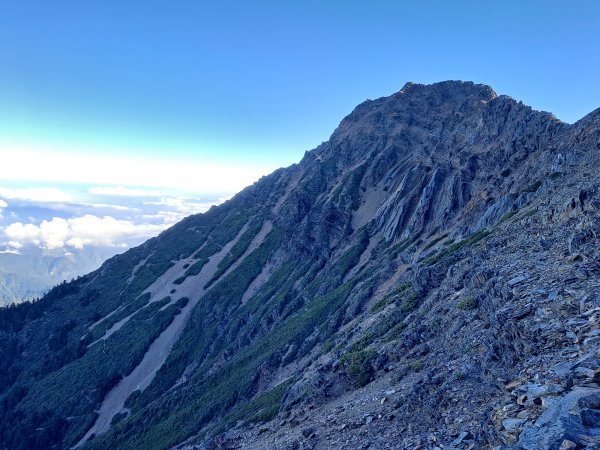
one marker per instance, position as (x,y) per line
(449,88)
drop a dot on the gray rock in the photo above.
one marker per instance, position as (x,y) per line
(590,418)
(512,424)
(557,422)
(516,280)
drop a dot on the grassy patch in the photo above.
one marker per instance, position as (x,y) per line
(555,175)
(263,408)
(390,298)
(237,250)
(351,257)
(455,247)
(435,241)
(507,216)
(467,304)
(195,268)
(410,303)
(398,248)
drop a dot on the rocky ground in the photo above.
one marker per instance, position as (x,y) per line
(506,354)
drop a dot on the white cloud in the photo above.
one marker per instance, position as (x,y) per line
(3,205)
(42,195)
(174,209)
(79,232)
(108,206)
(185,206)
(50,234)
(164,216)
(121,191)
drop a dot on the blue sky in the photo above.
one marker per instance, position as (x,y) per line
(201,98)
(261,82)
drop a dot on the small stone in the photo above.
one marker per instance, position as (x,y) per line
(571,335)
(461,437)
(512,424)
(584,371)
(516,280)
(589,312)
(512,385)
(533,389)
(522,399)
(591,340)
(567,445)
(369,419)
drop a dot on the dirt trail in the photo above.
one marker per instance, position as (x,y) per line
(156,355)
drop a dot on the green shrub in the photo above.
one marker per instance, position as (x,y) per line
(359,366)
(417,366)
(435,241)
(237,250)
(507,216)
(263,408)
(467,304)
(533,187)
(351,257)
(411,302)
(395,332)
(455,247)
(390,298)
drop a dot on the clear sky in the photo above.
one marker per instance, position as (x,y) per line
(211,94)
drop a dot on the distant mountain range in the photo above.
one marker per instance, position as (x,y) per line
(427,278)
(28,276)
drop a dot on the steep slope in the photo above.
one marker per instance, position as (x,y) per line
(395,287)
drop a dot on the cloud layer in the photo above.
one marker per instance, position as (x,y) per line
(78,232)
(122,191)
(96,216)
(41,194)
(3,205)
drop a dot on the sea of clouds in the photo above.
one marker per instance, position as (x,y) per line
(69,219)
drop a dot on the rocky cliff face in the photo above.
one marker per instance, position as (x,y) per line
(426,278)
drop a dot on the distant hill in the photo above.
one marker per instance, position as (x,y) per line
(27,276)
(427,278)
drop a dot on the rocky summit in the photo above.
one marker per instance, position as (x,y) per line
(426,279)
